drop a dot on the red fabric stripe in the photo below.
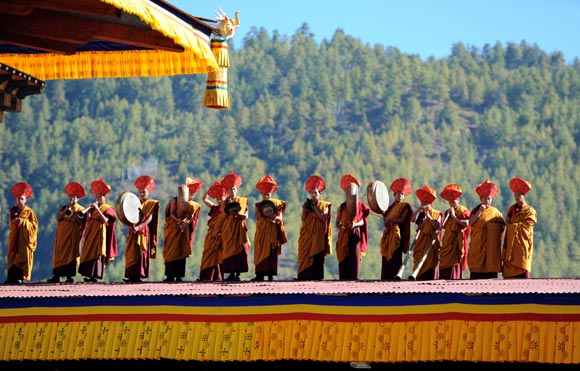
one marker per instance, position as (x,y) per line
(294,316)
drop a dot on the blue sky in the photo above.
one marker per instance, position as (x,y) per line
(423,27)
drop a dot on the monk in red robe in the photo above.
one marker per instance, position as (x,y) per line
(352,241)
(100,240)
(142,238)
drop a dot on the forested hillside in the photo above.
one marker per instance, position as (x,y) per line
(300,108)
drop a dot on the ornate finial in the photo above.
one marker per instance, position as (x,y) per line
(228,26)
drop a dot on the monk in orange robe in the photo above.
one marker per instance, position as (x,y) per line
(234,231)
(487,227)
(270,232)
(397,229)
(69,231)
(179,232)
(454,245)
(22,238)
(315,238)
(352,241)
(518,247)
(141,244)
(211,256)
(429,221)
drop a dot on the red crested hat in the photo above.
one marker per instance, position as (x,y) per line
(75,189)
(520,185)
(145,182)
(451,192)
(100,187)
(346,180)
(217,190)
(22,189)
(194,185)
(487,189)
(232,180)
(426,194)
(315,182)
(266,184)
(401,185)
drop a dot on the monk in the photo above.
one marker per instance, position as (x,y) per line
(69,232)
(22,238)
(179,232)
(234,231)
(518,247)
(315,238)
(429,222)
(487,227)
(352,241)
(100,240)
(397,229)
(454,245)
(211,256)
(142,238)
(270,232)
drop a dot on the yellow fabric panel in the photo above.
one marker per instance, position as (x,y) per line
(111,64)
(452,340)
(297,308)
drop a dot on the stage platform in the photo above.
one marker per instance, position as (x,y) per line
(535,321)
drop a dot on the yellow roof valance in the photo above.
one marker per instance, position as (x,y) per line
(135,38)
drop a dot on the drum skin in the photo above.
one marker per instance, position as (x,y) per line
(267,204)
(378,196)
(127,208)
(233,208)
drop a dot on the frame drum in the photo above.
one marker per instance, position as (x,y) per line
(351,201)
(378,196)
(267,209)
(233,208)
(127,208)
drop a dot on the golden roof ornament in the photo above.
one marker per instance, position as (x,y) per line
(227,26)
